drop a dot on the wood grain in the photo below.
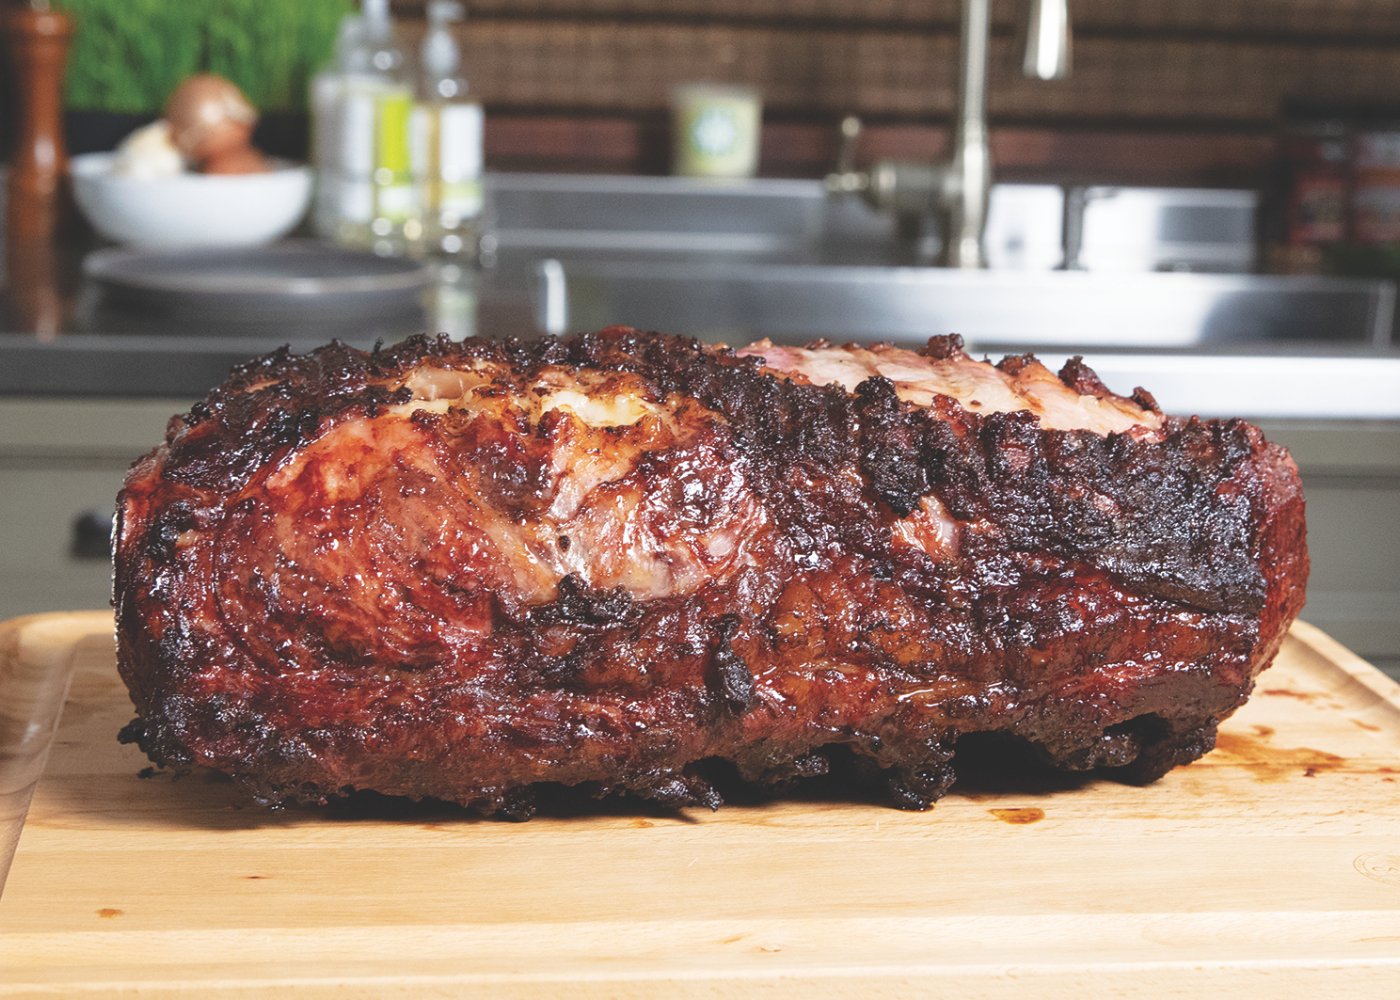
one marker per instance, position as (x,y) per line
(1272,864)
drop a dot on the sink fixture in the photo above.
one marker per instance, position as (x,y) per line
(1030,227)
(1005,309)
(956,192)
(1223,345)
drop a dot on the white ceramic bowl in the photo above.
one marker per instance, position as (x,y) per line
(190,210)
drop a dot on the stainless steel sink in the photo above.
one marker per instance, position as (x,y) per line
(799,221)
(593,218)
(1215,345)
(725,301)
(745,259)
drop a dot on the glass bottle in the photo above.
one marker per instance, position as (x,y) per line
(447,143)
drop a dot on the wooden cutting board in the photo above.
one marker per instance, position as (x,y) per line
(1272,864)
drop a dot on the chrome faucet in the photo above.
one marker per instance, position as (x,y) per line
(957,191)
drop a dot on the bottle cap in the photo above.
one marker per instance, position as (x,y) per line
(440,54)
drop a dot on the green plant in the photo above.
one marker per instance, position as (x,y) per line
(129,54)
(271,49)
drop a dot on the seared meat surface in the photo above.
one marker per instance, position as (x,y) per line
(460,570)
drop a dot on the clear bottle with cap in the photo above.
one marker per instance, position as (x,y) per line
(394,226)
(361,108)
(328,137)
(447,143)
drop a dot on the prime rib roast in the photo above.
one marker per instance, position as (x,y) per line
(631,562)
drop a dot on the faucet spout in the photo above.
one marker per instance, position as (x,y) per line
(971,176)
(1048,41)
(957,192)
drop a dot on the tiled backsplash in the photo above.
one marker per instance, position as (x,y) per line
(585,83)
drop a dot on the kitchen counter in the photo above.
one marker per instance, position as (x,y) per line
(106,351)
(72,340)
(675,254)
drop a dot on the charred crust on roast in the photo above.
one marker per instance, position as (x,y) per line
(943,347)
(1015,364)
(890,446)
(1076,553)
(733,680)
(579,605)
(1083,379)
(1145,399)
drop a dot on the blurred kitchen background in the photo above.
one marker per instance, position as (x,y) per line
(1201,197)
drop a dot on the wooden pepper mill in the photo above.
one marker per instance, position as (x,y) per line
(38,203)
